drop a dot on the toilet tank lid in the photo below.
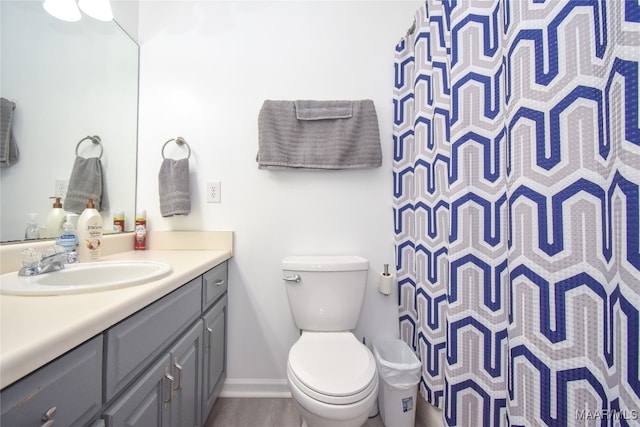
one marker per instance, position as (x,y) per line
(325,263)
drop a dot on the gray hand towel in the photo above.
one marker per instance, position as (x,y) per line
(318,135)
(86,181)
(173,186)
(9,152)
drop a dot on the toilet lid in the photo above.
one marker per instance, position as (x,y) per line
(332,363)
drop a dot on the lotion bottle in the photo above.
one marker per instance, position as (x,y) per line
(55,218)
(89,233)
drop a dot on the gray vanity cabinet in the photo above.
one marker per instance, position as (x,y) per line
(186,364)
(182,368)
(163,366)
(65,392)
(215,343)
(167,394)
(143,404)
(214,284)
(134,343)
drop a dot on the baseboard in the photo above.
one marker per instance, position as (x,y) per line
(234,387)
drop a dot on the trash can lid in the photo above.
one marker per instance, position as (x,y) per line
(332,363)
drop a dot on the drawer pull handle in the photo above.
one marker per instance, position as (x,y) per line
(179,368)
(219,282)
(171,380)
(49,423)
(210,331)
(48,416)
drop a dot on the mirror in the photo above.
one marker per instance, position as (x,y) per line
(69,80)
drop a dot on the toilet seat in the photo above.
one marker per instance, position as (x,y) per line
(332,367)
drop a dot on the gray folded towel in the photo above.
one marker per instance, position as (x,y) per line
(318,135)
(9,152)
(173,186)
(86,181)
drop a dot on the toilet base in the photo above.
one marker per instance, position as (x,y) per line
(312,420)
(352,415)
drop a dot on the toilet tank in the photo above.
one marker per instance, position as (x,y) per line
(329,293)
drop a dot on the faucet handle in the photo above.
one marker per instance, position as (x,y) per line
(52,251)
(30,257)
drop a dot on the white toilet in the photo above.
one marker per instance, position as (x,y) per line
(332,376)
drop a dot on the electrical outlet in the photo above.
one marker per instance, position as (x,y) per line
(60,189)
(213,192)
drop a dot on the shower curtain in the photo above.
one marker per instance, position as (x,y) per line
(516,181)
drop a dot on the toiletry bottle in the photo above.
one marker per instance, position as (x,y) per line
(69,239)
(118,221)
(89,233)
(140,234)
(55,218)
(32,230)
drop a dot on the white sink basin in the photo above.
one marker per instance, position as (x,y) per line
(85,277)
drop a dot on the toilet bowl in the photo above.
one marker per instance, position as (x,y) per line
(332,378)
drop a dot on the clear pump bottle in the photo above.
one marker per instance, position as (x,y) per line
(32,231)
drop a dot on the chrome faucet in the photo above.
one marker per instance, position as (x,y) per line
(33,263)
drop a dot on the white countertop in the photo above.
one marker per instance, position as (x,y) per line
(36,329)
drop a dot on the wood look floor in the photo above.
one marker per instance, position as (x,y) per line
(259,412)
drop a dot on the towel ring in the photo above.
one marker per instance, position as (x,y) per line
(95,139)
(180,141)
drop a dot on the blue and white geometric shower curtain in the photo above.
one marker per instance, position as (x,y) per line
(516,201)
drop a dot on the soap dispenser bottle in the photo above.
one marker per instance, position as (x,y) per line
(89,233)
(69,240)
(55,218)
(32,231)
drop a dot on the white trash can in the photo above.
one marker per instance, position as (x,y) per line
(399,371)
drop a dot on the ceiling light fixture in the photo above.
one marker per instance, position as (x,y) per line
(66,10)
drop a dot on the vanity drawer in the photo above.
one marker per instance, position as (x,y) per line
(214,284)
(132,344)
(67,391)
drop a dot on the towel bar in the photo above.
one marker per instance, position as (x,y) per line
(95,139)
(180,141)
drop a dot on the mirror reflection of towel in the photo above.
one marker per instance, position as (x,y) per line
(9,152)
(173,186)
(87,180)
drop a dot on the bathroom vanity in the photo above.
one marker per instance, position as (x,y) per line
(148,355)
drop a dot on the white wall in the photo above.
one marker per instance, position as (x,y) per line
(125,12)
(206,67)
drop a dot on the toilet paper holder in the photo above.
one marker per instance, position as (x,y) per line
(385,284)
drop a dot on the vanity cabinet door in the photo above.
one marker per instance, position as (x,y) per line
(136,341)
(214,354)
(186,363)
(66,392)
(147,402)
